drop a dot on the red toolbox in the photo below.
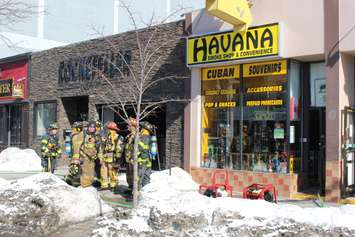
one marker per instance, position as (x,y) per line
(266,192)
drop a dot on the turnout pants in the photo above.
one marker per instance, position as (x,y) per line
(49,167)
(108,175)
(129,175)
(143,176)
(88,169)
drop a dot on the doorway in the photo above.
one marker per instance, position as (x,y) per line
(76,108)
(158,119)
(12,125)
(316,152)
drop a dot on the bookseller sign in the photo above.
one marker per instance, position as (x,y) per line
(259,41)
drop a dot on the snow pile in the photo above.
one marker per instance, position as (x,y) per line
(17,160)
(2,181)
(39,204)
(171,204)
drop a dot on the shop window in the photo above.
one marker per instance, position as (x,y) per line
(244,117)
(318,85)
(221,116)
(264,122)
(45,114)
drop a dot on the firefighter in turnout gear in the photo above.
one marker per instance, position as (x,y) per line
(50,149)
(88,155)
(110,154)
(129,149)
(144,155)
(77,138)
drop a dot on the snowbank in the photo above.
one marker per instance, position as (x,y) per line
(17,160)
(46,202)
(171,204)
(3,181)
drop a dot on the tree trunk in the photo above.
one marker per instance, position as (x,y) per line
(135,168)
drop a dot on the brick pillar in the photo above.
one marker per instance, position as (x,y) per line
(93,114)
(333,106)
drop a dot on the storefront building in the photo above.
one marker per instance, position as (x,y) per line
(66,86)
(268,105)
(14,104)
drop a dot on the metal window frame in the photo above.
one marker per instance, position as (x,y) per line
(35,119)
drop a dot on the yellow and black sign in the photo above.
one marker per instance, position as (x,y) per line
(264,89)
(256,103)
(6,88)
(258,41)
(221,92)
(265,69)
(221,104)
(220,73)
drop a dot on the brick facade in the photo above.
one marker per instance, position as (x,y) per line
(285,184)
(45,85)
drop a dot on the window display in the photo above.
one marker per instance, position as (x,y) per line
(246,128)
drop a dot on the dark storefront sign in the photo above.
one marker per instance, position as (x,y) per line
(89,69)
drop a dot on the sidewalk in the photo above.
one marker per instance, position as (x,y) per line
(121,198)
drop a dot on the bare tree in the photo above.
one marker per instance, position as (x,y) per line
(11,13)
(137,75)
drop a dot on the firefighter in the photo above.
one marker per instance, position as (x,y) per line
(77,138)
(88,155)
(129,148)
(110,154)
(99,135)
(144,157)
(50,149)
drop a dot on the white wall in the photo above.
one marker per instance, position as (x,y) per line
(347,26)
(303,26)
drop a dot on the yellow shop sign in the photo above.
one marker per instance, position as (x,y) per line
(220,73)
(265,69)
(258,41)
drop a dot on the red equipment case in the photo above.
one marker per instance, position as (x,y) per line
(260,191)
(220,175)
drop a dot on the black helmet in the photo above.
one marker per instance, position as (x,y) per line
(146,125)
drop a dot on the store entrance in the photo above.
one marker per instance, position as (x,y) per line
(76,108)
(316,153)
(158,118)
(12,125)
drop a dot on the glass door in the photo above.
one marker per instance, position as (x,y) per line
(4,117)
(15,125)
(348,179)
(11,125)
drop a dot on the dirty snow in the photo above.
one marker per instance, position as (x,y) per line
(70,204)
(168,200)
(18,160)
